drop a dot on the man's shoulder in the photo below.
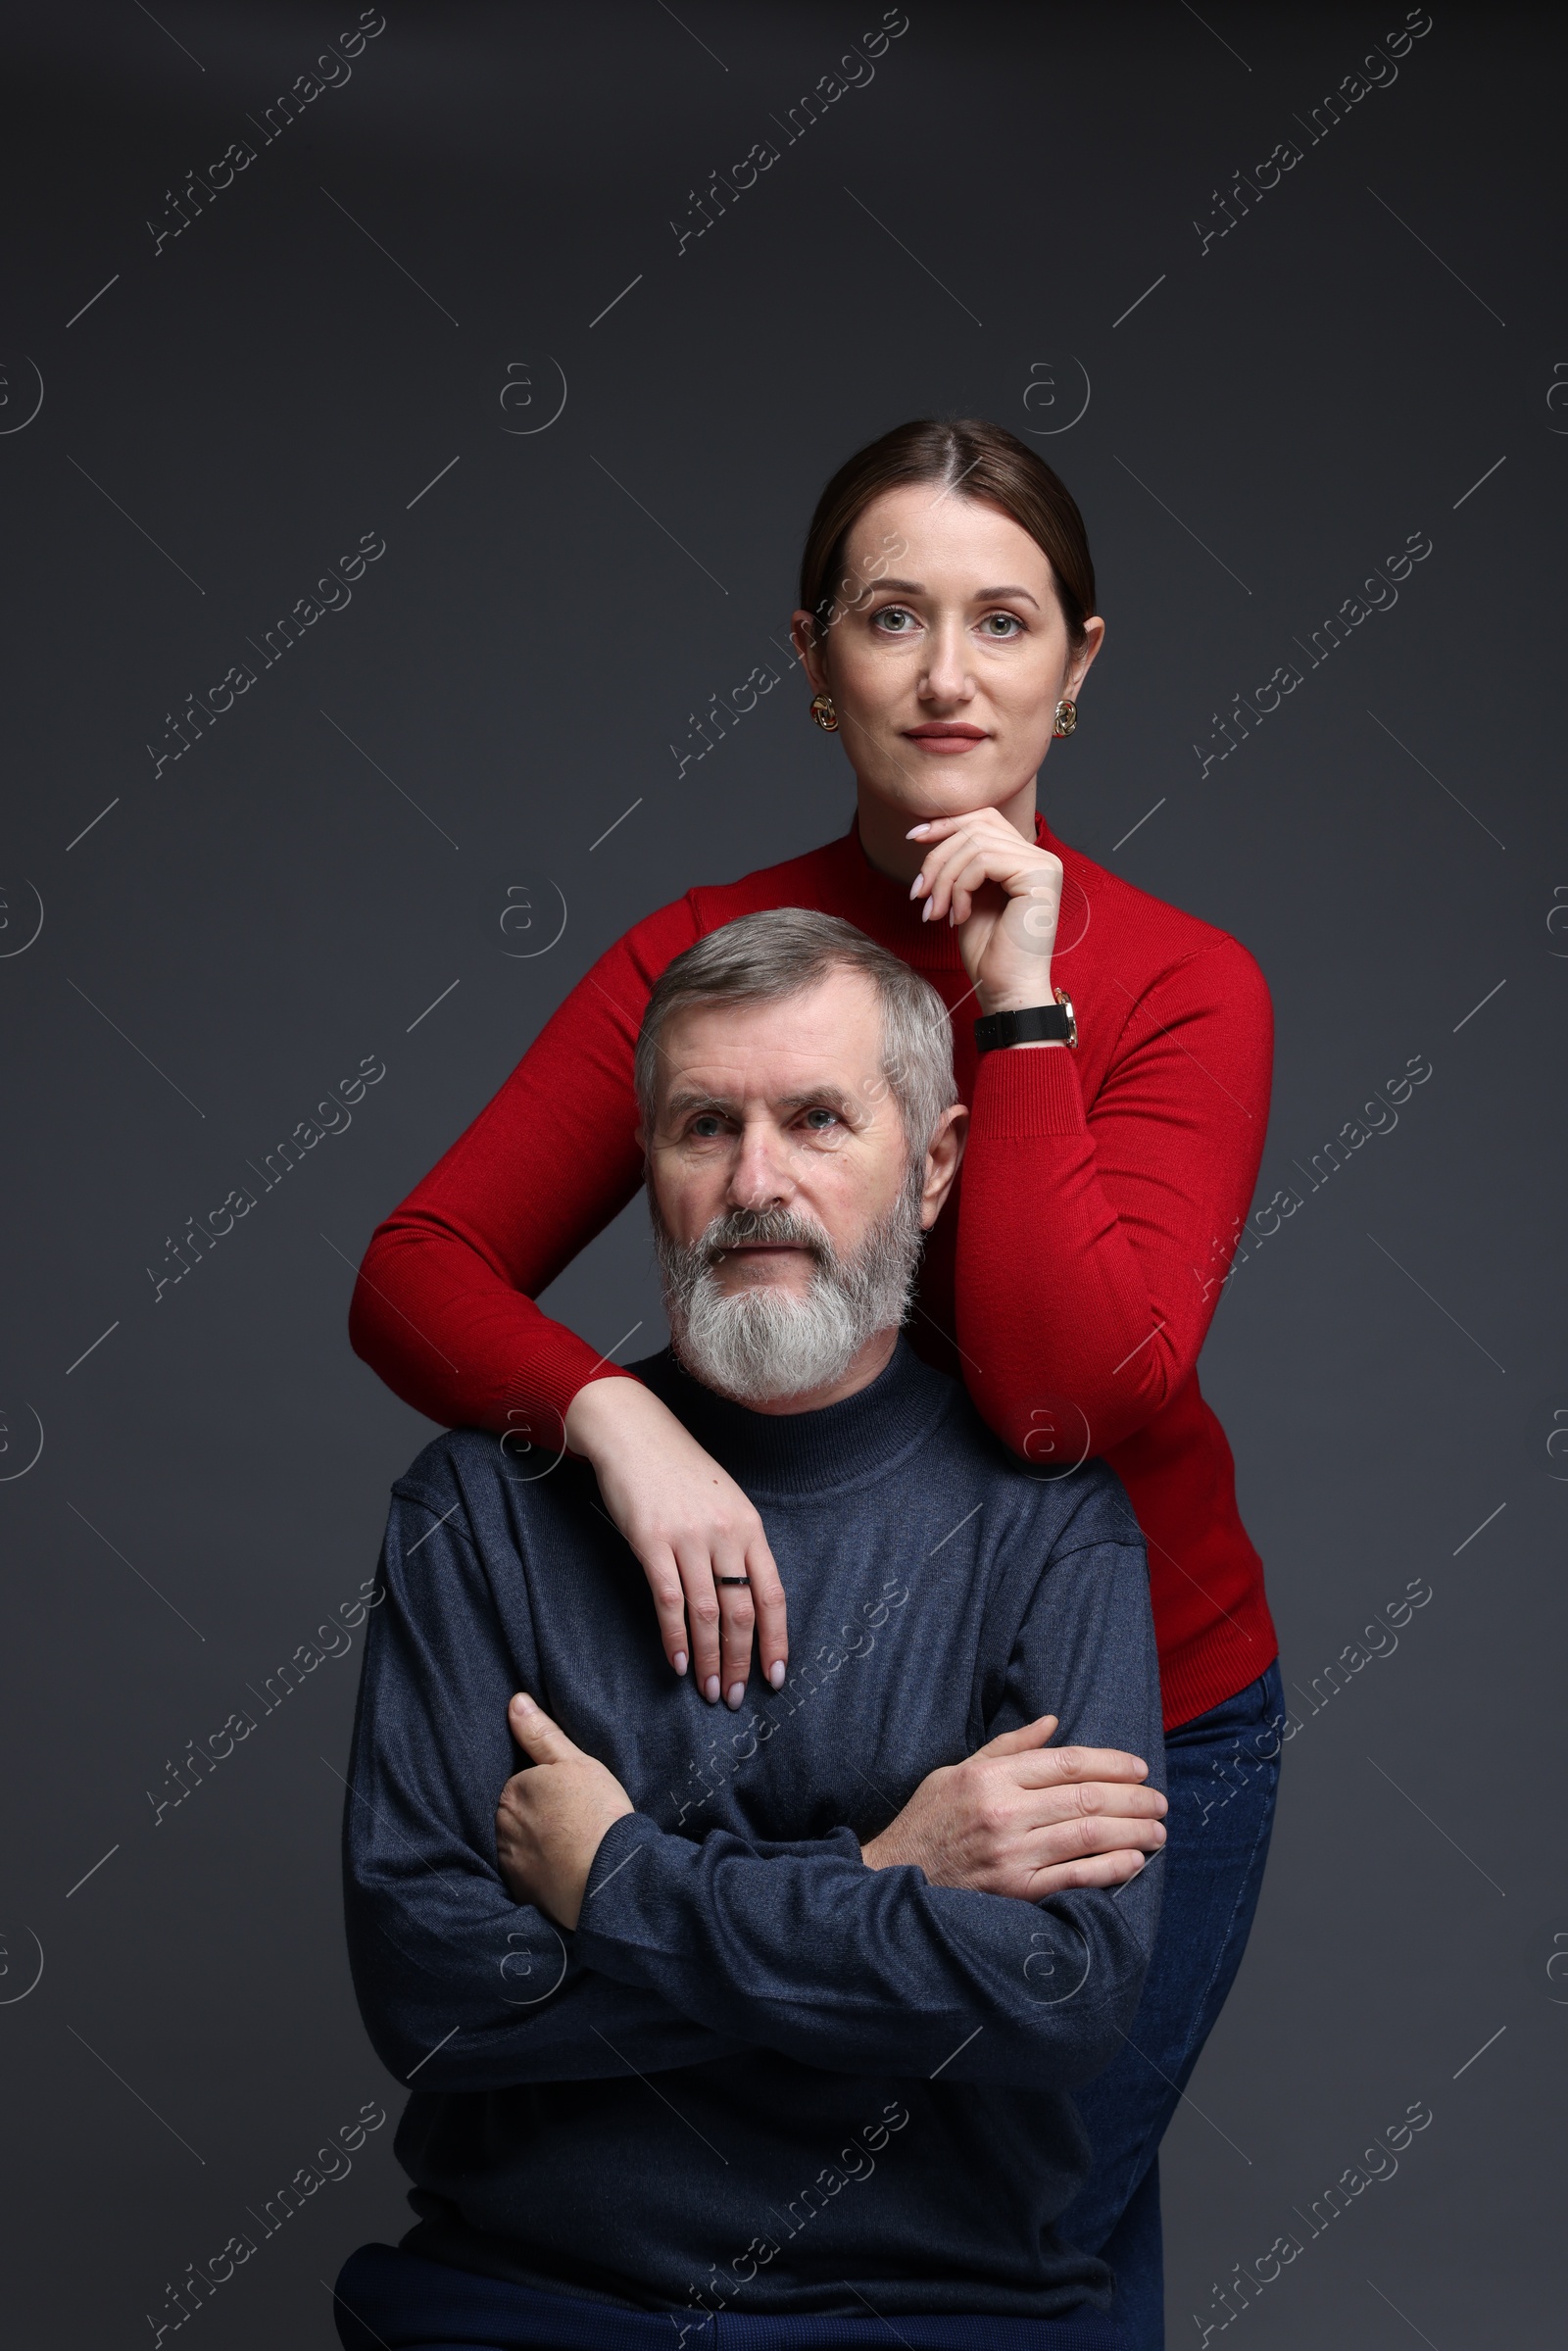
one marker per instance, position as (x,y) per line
(1070,1507)
(476,1481)
(453,1459)
(1095,1508)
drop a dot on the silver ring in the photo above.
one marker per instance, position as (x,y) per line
(732,1579)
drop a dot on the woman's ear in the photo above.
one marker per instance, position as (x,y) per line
(804,638)
(942,1155)
(1082,656)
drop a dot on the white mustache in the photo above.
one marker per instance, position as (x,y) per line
(770,1227)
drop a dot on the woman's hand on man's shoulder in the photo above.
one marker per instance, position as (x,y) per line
(690,1525)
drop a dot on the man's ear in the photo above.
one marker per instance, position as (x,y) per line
(943,1153)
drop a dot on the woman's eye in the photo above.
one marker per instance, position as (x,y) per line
(895,621)
(1002,626)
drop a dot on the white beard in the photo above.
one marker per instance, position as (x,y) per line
(761,1343)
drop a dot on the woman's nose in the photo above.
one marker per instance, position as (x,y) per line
(946,674)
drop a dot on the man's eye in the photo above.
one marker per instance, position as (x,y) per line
(1002,626)
(895,621)
(820,1121)
(707,1127)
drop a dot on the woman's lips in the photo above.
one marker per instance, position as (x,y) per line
(946,738)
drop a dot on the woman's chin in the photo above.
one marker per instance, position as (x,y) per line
(939,784)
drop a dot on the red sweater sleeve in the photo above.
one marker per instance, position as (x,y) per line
(1090,1249)
(442,1308)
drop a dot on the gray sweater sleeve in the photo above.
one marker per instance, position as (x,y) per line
(461,1987)
(861,1971)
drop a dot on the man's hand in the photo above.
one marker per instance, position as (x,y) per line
(552,1817)
(1021,1818)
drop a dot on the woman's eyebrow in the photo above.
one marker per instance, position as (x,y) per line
(916,587)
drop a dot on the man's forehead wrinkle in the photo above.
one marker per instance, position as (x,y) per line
(724,1055)
(781,1074)
(831,1051)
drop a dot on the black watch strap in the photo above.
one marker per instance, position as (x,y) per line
(1035,1024)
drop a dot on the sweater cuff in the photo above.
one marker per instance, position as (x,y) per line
(617,1892)
(1020,1095)
(553,1380)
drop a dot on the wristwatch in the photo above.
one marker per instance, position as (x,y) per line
(1035,1024)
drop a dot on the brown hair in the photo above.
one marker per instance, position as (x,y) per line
(980,461)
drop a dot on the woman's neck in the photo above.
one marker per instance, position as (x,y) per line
(882,830)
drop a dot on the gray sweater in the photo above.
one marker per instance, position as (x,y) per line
(758,2074)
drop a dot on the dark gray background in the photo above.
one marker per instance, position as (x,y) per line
(228,940)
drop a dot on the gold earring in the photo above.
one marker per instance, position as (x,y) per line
(827,716)
(1066,718)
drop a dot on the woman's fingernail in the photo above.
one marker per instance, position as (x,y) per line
(678,1661)
(710,1689)
(776,1672)
(737,1691)
(915,830)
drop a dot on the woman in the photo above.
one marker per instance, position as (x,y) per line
(1118,1091)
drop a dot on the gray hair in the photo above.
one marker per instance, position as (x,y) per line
(786,951)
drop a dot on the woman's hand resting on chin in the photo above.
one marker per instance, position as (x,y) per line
(1003,895)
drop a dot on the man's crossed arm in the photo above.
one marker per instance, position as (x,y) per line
(803,1948)
(1018,1817)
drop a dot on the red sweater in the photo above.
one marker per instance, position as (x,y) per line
(1070,1281)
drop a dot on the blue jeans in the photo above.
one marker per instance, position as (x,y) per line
(1222,1773)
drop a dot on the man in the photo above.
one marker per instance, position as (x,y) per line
(769,2024)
